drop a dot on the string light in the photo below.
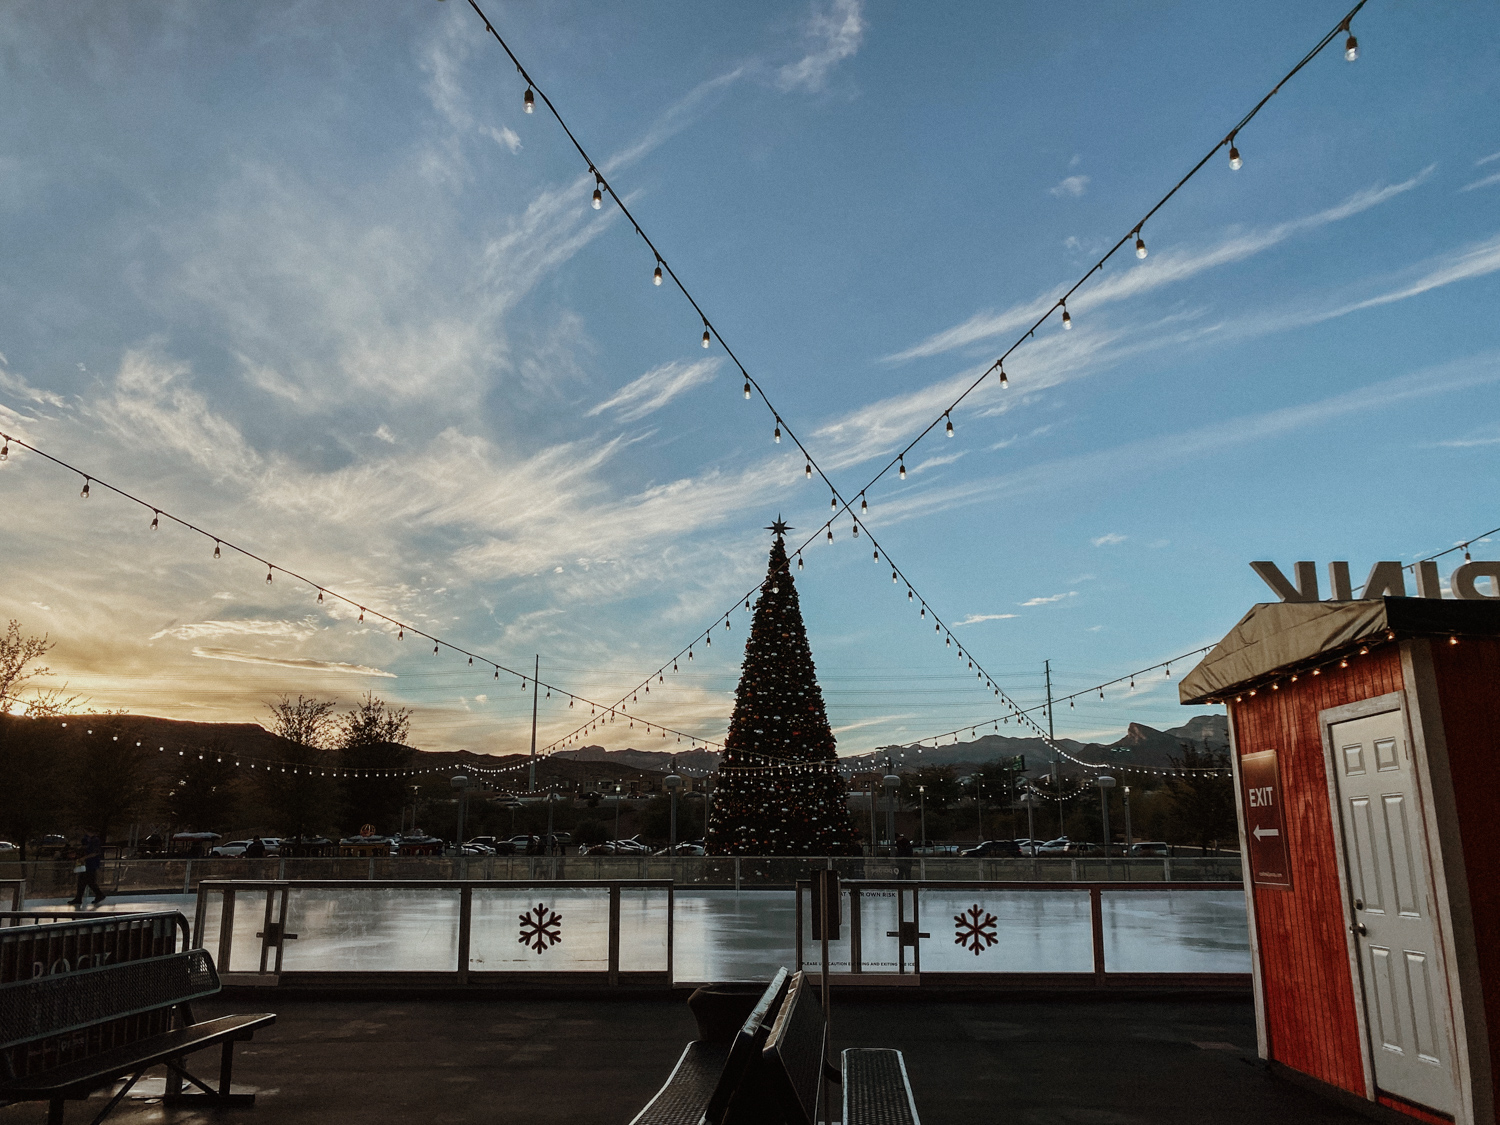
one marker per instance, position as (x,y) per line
(155,519)
(903,469)
(706,337)
(1140,244)
(1235,163)
(656,274)
(808,470)
(950,425)
(1067,320)
(777,435)
(529,103)
(85,493)
(1351,45)
(1004,379)
(598,192)
(863,506)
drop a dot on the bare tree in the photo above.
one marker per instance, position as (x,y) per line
(307,722)
(17,663)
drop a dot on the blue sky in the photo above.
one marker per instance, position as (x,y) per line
(306,274)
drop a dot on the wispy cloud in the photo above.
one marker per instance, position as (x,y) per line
(198,630)
(1072,186)
(1164,268)
(290,662)
(834,33)
(976,618)
(1485,182)
(656,388)
(1483,160)
(1050,600)
(1109,539)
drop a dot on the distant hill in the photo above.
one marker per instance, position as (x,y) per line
(1139,746)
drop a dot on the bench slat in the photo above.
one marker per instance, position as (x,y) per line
(876,1090)
(97,1069)
(792,1062)
(682,1100)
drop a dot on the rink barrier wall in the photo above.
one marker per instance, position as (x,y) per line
(54,879)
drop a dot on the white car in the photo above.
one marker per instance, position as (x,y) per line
(1058,846)
(233,849)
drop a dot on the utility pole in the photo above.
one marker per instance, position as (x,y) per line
(532,787)
(1052,738)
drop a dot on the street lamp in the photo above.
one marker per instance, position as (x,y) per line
(1105,783)
(1029,800)
(922,802)
(673,783)
(891,783)
(618,788)
(1128,839)
(460,784)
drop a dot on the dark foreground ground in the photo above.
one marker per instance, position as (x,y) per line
(1021,1061)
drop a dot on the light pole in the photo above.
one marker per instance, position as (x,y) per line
(1105,783)
(979,806)
(551,800)
(891,783)
(922,802)
(1128,840)
(673,783)
(618,787)
(460,784)
(874,836)
(1030,799)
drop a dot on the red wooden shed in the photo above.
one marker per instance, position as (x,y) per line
(1365,741)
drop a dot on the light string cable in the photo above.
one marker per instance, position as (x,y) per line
(841,505)
(1464,547)
(1098,689)
(1351,51)
(402,627)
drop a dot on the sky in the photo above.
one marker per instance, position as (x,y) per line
(306,275)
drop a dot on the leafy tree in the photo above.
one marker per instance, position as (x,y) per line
(204,794)
(112,776)
(1202,803)
(31,778)
(299,794)
(941,785)
(372,754)
(657,823)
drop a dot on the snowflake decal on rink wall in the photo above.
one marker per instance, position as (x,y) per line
(975,929)
(540,928)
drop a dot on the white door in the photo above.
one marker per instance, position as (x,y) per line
(1405,993)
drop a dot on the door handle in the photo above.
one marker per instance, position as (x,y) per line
(1358,928)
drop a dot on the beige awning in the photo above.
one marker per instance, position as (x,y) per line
(1280,636)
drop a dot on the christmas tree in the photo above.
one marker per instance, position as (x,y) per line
(779,791)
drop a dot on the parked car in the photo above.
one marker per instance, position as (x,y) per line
(632,846)
(48,847)
(232,849)
(683,849)
(994,849)
(1058,846)
(7,846)
(1150,848)
(477,849)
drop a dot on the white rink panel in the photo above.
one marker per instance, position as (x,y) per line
(1175,931)
(1032,931)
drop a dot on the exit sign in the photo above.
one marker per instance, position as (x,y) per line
(1265,828)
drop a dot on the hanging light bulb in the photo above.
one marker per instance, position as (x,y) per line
(908,593)
(656,276)
(1466,553)
(807,470)
(901,461)
(401,634)
(85,493)
(5,450)
(778,431)
(950,425)
(1140,244)
(830,533)
(1351,46)
(863,507)
(1234,158)
(598,190)
(528,103)
(155,516)
(799,560)
(268,576)
(893,578)
(1004,379)
(216,548)
(924,610)
(705,343)
(361,613)
(856,529)
(1067,320)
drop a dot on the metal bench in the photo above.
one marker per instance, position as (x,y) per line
(774,1072)
(68,1034)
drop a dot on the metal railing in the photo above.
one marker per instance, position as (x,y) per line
(979,931)
(50,879)
(327,914)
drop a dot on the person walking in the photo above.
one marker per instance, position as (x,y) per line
(87,868)
(256,849)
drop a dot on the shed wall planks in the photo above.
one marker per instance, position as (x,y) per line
(1311,1022)
(1468,679)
